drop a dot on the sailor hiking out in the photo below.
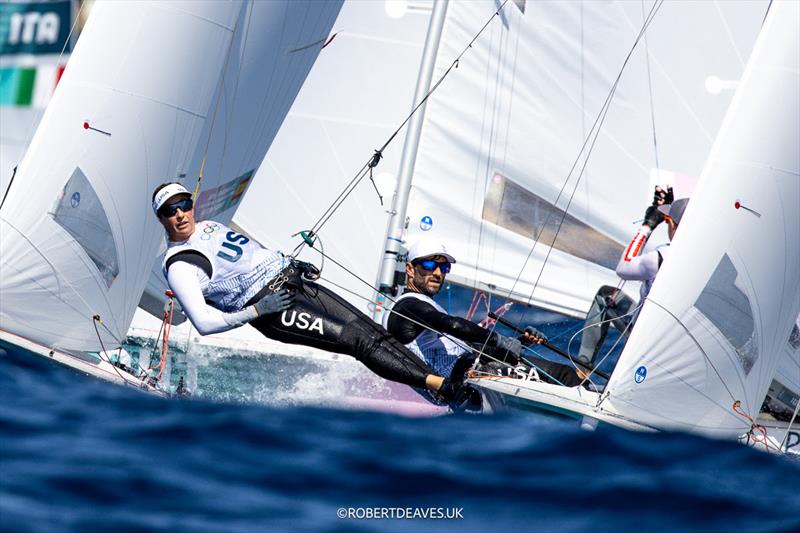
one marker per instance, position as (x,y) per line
(446,342)
(224,279)
(611,306)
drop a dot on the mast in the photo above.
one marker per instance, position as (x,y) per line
(397,216)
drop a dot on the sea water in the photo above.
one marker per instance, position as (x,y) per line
(77,454)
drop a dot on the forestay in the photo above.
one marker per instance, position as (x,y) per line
(504,130)
(723,307)
(275,44)
(78,234)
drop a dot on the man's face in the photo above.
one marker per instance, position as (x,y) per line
(427,282)
(180,225)
(671,227)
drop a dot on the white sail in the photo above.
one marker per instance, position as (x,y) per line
(78,233)
(274,46)
(723,307)
(505,128)
(358,92)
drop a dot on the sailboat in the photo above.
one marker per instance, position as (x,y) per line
(149,86)
(701,358)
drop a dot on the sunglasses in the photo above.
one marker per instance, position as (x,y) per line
(169,210)
(430,265)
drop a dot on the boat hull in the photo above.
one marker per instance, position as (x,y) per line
(26,351)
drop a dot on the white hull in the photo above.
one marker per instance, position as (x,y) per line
(86,363)
(584,405)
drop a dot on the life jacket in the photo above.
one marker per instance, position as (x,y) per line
(439,351)
(236,267)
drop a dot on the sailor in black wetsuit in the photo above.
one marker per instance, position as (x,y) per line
(444,341)
(223,280)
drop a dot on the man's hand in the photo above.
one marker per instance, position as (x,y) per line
(662,197)
(509,344)
(652,217)
(532,336)
(274,303)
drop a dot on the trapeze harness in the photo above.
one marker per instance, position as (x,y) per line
(234,272)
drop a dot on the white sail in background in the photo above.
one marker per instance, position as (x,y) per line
(78,234)
(504,129)
(358,92)
(274,46)
(724,304)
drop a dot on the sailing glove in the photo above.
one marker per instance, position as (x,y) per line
(653,217)
(532,336)
(509,344)
(662,197)
(274,303)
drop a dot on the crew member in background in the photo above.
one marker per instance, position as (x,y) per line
(611,305)
(443,341)
(223,280)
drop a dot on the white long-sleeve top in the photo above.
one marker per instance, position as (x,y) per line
(643,267)
(186,282)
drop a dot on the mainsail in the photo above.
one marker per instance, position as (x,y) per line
(724,305)
(275,44)
(355,96)
(78,235)
(494,171)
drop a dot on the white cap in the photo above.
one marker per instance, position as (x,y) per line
(427,248)
(173,189)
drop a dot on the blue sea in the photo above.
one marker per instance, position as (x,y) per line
(78,454)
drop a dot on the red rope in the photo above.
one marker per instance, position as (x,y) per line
(168,311)
(761,437)
(473,307)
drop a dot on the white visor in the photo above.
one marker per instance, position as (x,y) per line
(166,193)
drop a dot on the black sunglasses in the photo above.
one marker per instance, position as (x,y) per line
(430,265)
(169,210)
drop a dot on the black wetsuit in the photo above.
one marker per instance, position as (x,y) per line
(417,314)
(322,319)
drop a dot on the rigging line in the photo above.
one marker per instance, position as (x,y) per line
(766,13)
(245,41)
(95,320)
(705,355)
(681,423)
(216,107)
(264,112)
(613,346)
(491,145)
(594,130)
(650,89)
(730,35)
(31,126)
(429,328)
(478,160)
(359,175)
(392,300)
(58,277)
